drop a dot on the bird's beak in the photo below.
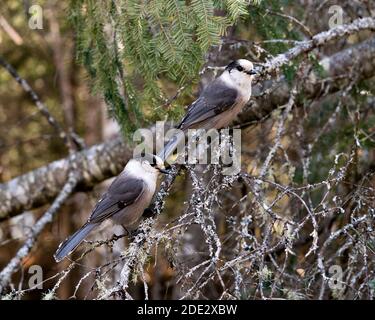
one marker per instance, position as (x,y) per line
(165,171)
(252,72)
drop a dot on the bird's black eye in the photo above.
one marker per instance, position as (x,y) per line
(239,68)
(146,162)
(152,164)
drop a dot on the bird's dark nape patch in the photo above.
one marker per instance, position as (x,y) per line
(146,157)
(233,65)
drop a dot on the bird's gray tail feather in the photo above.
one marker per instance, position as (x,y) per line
(67,246)
(169,147)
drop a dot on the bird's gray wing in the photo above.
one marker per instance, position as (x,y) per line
(215,99)
(123,191)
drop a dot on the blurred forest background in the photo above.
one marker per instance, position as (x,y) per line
(296,223)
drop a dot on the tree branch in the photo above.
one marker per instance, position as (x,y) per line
(274,65)
(105,160)
(67,138)
(13,265)
(40,186)
(338,69)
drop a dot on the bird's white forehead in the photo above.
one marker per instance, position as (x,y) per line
(148,158)
(246,64)
(145,163)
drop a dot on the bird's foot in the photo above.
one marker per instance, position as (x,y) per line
(134,233)
(148,213)
(127,233)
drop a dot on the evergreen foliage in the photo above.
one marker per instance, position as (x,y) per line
(131,48)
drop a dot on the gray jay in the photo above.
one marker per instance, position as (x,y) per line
(124,202)
(219,103)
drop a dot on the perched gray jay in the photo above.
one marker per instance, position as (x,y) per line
(219,103)
(124,202)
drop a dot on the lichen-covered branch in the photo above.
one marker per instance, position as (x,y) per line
(15,262)
(318,40)
(338,71)
(40,186)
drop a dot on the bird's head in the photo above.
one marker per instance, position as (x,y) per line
(152,163)
(241,69)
